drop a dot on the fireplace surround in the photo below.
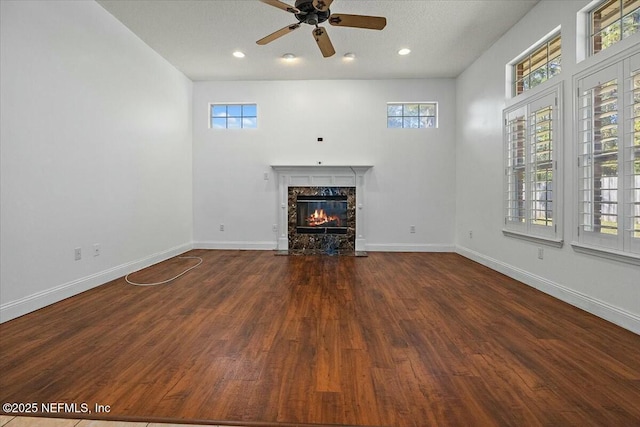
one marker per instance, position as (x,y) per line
(321,220)
(304,191)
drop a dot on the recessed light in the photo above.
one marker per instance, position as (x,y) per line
(289,56)
(238,54)
(350,56)
(404,51)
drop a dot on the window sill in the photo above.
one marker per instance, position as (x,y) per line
(611,254)
(549,241)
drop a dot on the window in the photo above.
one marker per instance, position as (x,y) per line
(609,158)
(612,21)
(233,116)
(542,63)
(417,115)
(532,136)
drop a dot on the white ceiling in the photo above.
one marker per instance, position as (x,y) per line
(199,36)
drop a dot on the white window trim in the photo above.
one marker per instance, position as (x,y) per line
(583,26)
(551,236)
(578,243)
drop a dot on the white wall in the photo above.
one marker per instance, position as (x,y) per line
(411,183)
(607,288)
(95,148)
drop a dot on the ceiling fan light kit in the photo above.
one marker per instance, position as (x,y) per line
(314,12)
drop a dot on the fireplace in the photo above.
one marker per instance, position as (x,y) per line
(298,234)
(322,219)
(321,214)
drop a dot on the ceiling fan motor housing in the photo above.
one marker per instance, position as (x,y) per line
(309,14)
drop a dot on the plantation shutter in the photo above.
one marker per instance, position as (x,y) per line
(609,157)
(531,131)
(541,164)
(598,156)
(515,171)
(631,167)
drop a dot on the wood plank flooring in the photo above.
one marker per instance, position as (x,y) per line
(393,339)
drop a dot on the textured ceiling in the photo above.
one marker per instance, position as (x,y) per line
(198,37)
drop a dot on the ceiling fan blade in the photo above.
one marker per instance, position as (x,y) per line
(322,5)
(324,43)
(275,35)
(358,21)
(281,5)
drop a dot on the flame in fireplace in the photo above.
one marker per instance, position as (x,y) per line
(319,217)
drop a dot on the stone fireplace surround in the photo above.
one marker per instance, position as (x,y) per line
(320,176)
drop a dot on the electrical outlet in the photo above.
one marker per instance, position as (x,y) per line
(221,227)
(470,234)
(412,229)
(77,252)
(266,176)
(96,249)
(275,228)
(540,253)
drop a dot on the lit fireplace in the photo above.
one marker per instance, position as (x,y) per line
(321,220)
(321,214)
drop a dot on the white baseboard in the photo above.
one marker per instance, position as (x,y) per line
(591,305)
(407,247)
(248,246)
(41,299)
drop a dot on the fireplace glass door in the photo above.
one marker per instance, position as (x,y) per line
(321,214)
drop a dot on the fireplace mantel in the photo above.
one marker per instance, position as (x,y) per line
(320,175)
(322,168)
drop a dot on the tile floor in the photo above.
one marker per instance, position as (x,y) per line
(10,421)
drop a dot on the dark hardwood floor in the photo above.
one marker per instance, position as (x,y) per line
(395,339)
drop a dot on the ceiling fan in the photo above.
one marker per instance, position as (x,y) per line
(314,12)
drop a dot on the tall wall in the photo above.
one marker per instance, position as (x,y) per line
(608,288)
(95,148)
(411,182)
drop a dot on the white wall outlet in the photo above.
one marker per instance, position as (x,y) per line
(96,249)
(412,229)
(266,176)
(470,234)
(77,254)
(221,227)
(540,253)
(275,228)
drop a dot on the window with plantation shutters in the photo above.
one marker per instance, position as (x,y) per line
(608,149)
(532,141)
